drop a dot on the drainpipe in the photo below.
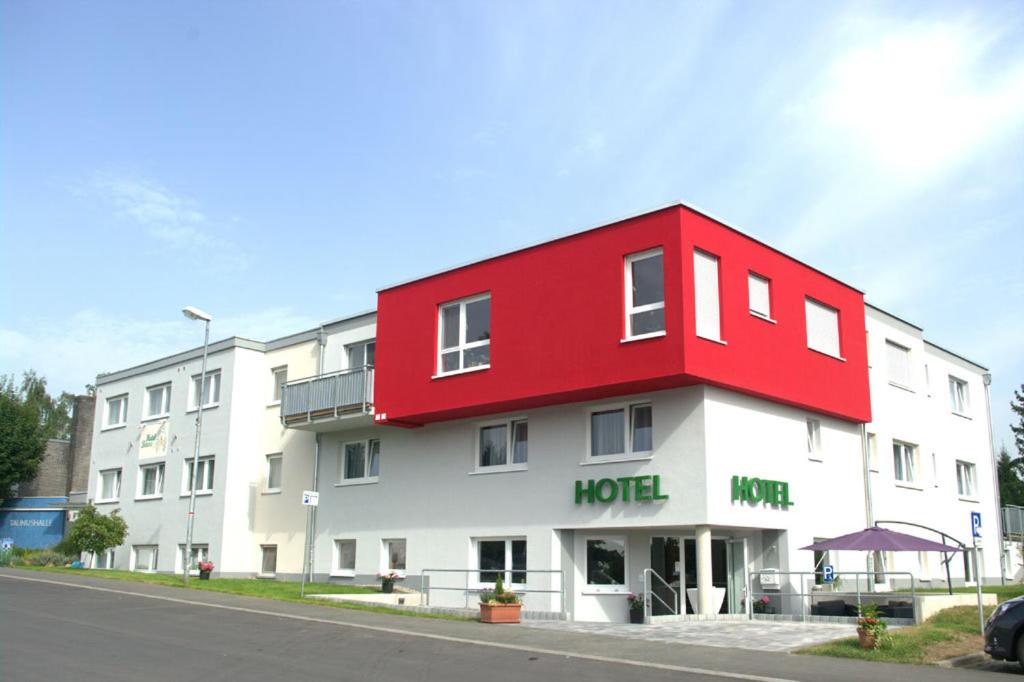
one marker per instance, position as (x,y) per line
(987,380)
(322,343)
(869,511)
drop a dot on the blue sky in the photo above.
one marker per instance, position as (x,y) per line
(275,163)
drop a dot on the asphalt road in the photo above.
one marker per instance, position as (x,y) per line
(107,630)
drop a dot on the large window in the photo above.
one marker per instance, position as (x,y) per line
(965,479)
(274,465)
(606,562)
(200,553)
(151,480)
(897,360)
(904,461)
(117,411)
(504,445)
(759,293)
(611,431)
(210,392)
(505,557)
(204,476)
(394,555)
(814,439)
(465,335)
(268,560)
(959,400)
(144,558)
(822,327)
(109,488)
(359,461)
(278,378)
(361,354)
(645,294)
(104,559)
(158,401)
(344,558)
(705,296)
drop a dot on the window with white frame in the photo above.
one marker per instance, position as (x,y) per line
(278,377)
(606,563)
(965,479)
(501,556)
(104,559)
(151,480)
(503,445)
(814,439)
(622,431)
(904,460)
(359,461)
(759,293)
(705,295)
(144,558)
(959,400)
(394,555)
(268,560)
(203,476)
(344,558)
(872,452)
(822,327)
(464,328)
(109,488)
(361,354)
(274,464)
(210,390)
(158,401)
(897,361)
(117,411)
(645,294)
(200,553)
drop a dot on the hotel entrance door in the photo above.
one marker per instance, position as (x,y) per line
(665,560)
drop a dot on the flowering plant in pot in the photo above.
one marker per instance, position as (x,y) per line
(205,568)
(871,629)
(636,608)
(499,606)
(761,605)
(387,581)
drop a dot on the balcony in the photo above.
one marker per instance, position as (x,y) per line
(330,402)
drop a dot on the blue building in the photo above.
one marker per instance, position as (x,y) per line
(33,522)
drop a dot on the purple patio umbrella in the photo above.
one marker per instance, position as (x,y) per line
(877,539)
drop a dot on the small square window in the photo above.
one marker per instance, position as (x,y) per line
(210,390)
(345,557)
(606,562)
(158,401)
(144,558)
(897,359)
(359,462)
(151,480)
(965,479)
(109,485)
(394,552)
(504,557)
(274,470)
(822,328)
(465,335)
(117,411)
(203,477)
(905,464)
(645,294)
(609,429)
(758,290)
(278,377)
(959,400)
(268,560)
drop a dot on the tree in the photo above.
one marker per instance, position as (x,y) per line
(1011,487)
(96,533)
(1017,405)
(55,414)
(22,438)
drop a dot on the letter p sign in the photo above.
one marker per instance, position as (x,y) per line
(976,524)
(828,573)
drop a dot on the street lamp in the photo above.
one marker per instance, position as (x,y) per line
(196,314)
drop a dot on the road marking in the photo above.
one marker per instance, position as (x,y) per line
(424,635)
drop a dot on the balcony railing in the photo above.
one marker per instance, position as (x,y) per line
(328,396)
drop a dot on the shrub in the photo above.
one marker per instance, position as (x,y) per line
(45,557)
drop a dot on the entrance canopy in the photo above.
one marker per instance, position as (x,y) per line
(877,539)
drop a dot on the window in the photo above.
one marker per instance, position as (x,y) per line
(104,559)
(144,558)
(927,381)
(394,553)
(211,389)
(822,328)
(117,411)
(872,452)
(904,459)
(499,440)
(758,290)
(110,485)
(608,429)
(279,377)
(204,476)
(151,480)
(465,331)
(814,439)
(361,354)
(506,557)
(645,294)
(965,479)
(268,559)
(199,553)
(158,401)
(344,558)
(705,293)
(274,473)
(897,360)
(958,397)
(606,562)
(359,462)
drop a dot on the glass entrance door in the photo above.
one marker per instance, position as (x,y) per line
(737,589)
(666,562)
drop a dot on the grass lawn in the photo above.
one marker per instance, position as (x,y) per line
(250,587)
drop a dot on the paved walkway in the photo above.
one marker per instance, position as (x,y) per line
(732,634)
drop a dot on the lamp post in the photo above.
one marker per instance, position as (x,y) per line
(196,314)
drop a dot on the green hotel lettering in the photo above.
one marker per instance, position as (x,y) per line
(754,490)
(606,490)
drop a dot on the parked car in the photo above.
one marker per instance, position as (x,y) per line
(1003,632)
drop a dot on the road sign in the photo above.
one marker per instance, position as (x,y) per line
(976,524)
(828,573)
(310,498)
(6,543)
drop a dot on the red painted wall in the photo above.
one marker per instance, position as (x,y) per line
(557,320)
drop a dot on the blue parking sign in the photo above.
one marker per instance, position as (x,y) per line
(976,524)
(828,573)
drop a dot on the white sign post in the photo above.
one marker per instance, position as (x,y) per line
(975,537)
(310,499)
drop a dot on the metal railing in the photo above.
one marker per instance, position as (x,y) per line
(784,600)
(327,396)
(474,589)
(650,595)
(1013,522)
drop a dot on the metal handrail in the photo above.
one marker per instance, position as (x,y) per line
(327,375)
(327,395)
(803,593)
(426,587)
(648,593)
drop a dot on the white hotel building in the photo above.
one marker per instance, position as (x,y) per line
(583,410)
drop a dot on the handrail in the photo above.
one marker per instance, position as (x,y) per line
(327,395)
(648,593)
(467,588)
(802,592)
(327,375)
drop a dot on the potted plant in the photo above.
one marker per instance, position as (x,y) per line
(387,581)
(205,568)
(499,606)
(761,605)
(636,608)
(870,627)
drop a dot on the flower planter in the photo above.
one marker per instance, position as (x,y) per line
(500,613)
(636,616)
(866,639)
(387,587)
(204,575)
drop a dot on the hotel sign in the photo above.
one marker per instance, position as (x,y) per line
(153,440)
(755,490)
(627,489)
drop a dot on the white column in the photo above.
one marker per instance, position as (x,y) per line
(704,586)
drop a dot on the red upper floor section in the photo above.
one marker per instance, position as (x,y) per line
(558,325)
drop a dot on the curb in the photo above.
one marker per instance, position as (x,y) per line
(965,661)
